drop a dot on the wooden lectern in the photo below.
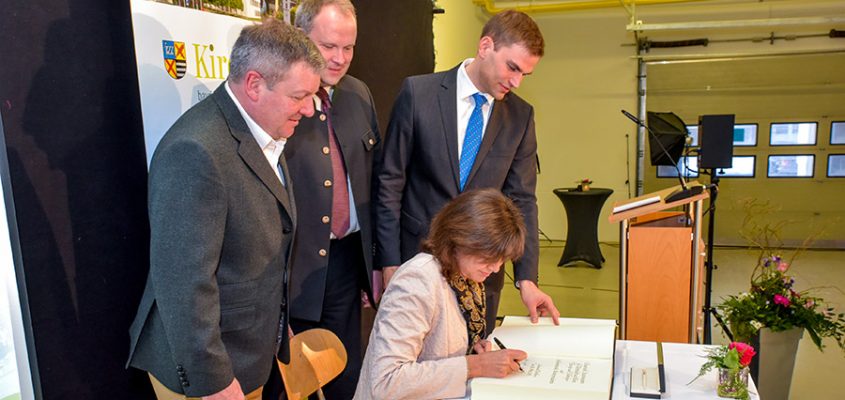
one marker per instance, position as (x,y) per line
(661,260)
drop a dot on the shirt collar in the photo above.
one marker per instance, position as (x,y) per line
(261,136)
(465,87)
(318,104)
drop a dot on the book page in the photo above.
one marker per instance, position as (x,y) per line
(574,337)
(514,320)
(550,377)
(572,361)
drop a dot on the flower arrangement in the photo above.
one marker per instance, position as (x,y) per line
(773,301)
(584,184)
(732,361)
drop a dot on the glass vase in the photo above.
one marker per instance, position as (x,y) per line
(733,383)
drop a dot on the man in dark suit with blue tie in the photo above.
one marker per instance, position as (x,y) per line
(458,130)
(213,317)
(330,159)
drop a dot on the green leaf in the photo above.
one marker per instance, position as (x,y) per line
(731,360)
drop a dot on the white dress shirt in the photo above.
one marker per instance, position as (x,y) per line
(272,148)
(465,89)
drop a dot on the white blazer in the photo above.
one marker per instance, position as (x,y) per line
(418,344)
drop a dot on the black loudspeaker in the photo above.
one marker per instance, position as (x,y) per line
(716,134)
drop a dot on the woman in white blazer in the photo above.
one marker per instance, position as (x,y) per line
(427,340)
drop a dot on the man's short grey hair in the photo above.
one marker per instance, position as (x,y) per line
(308,10)
(271,48)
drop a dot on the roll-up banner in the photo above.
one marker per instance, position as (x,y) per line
(183,56)
(15,378)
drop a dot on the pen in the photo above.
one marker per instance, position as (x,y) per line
(660,369)
(502,346)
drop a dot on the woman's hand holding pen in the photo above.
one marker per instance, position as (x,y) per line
(493,364)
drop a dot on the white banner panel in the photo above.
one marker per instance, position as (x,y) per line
(182,55)
(15,378)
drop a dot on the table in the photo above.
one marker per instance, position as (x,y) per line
(582,214)
(681,363)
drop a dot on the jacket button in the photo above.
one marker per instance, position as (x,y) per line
(371,141)
(325,149)
(325,219)
(327,183)
(322,117)
(322,252)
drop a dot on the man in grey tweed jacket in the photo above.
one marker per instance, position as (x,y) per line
(214,312)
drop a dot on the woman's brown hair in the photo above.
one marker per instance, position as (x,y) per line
(478,223)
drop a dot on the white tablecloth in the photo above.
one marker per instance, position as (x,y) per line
(681,363)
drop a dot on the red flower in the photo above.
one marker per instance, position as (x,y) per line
(746,352)
(782,300)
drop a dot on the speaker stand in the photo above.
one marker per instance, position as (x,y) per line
(708,264)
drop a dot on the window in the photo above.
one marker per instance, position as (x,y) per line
(693,134)
(687,165)
(791,166)
(745,135)
(837,132)
(836,165)
(743,167)
(793,134)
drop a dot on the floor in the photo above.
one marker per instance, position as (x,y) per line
(583,291)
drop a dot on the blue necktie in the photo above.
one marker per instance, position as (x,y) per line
(472,139)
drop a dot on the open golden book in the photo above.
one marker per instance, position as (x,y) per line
(571,361)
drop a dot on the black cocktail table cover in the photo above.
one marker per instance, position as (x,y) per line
(582,212)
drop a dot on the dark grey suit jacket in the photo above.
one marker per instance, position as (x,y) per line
(221,228)
(419,172)
(356,127)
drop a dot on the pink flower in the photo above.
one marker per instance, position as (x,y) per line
(746,352)
(809,304)
(782,300)
(783,266)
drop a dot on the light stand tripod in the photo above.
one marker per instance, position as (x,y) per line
(708,264)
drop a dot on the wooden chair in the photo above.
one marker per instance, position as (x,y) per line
(316,357)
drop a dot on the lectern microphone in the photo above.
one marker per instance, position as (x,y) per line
(685,191)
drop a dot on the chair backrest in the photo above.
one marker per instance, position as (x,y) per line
(316,357)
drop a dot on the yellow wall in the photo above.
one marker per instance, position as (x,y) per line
(586,77)
(577,90)
(808,88)
(456,32)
